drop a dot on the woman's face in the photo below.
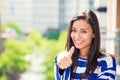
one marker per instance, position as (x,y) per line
(81,34)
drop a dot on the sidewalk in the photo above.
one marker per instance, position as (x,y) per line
(32,73)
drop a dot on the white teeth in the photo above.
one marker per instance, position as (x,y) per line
(78,42)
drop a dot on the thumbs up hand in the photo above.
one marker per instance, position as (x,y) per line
(64,59)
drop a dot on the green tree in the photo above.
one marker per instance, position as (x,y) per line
(12,59)
(53,47)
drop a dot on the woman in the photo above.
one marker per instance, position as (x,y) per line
(83,59)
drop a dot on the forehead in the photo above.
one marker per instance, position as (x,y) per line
(81,24)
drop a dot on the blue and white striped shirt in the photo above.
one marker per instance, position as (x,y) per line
(106,70)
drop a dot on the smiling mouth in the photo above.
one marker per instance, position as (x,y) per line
(78,42)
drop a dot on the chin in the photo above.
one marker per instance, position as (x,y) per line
(78,47)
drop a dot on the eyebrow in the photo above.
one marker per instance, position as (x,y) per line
(80,29)
(84,29)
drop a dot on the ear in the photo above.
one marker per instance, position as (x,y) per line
(93,36)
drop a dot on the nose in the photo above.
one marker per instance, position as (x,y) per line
(78,35)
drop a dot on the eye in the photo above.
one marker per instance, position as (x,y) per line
(84,31)
(74,30)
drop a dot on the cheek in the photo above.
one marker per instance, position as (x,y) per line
(72,36)
(88,36)
(89,39)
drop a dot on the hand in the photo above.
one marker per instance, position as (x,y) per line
(64,59)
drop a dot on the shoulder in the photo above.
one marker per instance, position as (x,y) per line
(107,60)
(106,57)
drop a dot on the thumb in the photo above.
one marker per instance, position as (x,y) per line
(70,53)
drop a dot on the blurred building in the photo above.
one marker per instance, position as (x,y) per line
(67,8)
(42,14)
(37,14)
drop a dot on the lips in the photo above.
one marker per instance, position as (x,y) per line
(78,42)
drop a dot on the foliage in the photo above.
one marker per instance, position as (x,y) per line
(52,34)
(12,59)
(53,47)
(12,25)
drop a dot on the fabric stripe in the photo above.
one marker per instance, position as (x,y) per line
(106,70)
(80,70)
(106,77)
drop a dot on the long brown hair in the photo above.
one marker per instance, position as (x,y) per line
(94,51)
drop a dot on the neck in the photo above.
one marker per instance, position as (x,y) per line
(83,53)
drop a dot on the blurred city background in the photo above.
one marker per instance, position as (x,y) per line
(33,32)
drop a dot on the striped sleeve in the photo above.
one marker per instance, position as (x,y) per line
(64,76)
(108,69)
